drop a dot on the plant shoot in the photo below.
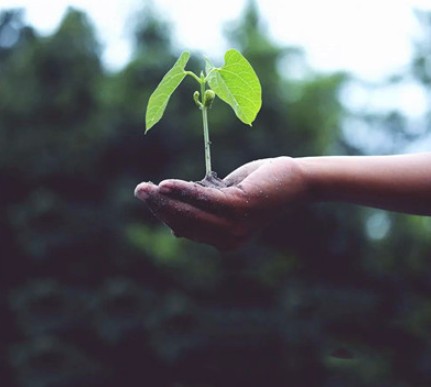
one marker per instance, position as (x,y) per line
(235,83)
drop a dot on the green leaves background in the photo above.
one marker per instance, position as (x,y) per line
(96,292)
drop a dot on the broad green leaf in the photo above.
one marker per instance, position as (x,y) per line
(237,84)
(160,97)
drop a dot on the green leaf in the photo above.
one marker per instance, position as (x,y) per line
(237,84)
(160,97)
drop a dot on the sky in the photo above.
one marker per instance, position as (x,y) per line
(371,38)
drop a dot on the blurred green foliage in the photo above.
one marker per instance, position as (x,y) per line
(95,292)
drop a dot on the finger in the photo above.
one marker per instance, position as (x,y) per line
(189,221)
(193,223)
(144,190)
(148,193)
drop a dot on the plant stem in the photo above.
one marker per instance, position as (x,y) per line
(206,131)
(193,75)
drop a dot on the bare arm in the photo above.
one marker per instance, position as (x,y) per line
(259,190)
(398,183)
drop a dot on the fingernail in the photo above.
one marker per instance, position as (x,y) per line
(140,192)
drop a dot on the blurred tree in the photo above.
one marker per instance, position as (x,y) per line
(50,128)
(421,61)
(94,292)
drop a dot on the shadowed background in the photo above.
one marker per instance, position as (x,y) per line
(96,292)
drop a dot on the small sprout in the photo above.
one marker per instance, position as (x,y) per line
(196,96)
(209,98)
(235,83)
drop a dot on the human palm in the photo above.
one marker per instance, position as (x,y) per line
(254,195)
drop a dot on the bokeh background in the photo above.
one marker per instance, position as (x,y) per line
(94,291)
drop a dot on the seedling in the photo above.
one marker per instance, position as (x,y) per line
(235,83)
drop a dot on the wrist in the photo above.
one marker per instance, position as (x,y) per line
(298,181)
(310,169)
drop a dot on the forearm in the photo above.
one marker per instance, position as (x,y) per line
(399,183)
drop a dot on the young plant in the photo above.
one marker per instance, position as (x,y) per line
(235,83)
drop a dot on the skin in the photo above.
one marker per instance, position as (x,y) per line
(259,191)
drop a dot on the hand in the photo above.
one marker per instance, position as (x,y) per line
(256,194)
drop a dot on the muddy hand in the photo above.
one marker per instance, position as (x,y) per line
(226,217)
(202,214)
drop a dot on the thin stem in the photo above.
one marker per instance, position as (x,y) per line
(206,131)
(193,75)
